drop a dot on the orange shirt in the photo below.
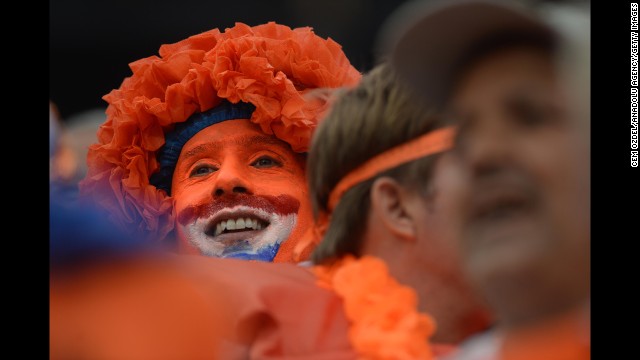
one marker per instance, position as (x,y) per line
(565,337)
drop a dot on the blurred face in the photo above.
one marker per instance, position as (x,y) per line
(437,229)
(525,206)
(458,310)
(239,193)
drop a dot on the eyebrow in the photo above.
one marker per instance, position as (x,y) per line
(244,141)
(256,140)
(202,148)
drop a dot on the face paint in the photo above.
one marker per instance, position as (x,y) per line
(239,193)
(241,226)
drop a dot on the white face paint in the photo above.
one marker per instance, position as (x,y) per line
(240,232)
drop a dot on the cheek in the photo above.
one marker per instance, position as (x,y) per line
(439,240)
(293,185)
(562,179)
(551,160)
(452,185)
(300,191)
(298,188)
(302,195)
(191,195)
(290,181)
(564,175)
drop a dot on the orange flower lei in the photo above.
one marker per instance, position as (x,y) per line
(385,323)
(274,67)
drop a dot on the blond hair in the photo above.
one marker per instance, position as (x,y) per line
(380,113)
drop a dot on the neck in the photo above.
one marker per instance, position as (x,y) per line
(458,312)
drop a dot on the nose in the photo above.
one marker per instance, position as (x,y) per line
(488,148)
(231,178)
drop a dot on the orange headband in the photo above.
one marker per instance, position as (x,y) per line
(427,144)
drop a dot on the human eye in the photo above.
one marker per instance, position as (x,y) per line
(202,170)
(533,114)
(265,162)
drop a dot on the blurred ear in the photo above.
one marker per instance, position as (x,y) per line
(390,203)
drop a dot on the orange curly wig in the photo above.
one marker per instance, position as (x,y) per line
(270,66)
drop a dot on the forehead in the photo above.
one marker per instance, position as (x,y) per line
(503,72)
(232,134)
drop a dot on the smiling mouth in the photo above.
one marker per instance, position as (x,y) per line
(499,204)
(501,207)
(235,224)
(241,232)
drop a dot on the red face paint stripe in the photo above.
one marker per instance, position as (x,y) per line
(281,205)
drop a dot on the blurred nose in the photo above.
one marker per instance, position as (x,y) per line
(490,147)
(232,178)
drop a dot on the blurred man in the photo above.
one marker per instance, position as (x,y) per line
(69,141)
(516,84)
(63,160)
(209,140)
(388,197)
(80,133)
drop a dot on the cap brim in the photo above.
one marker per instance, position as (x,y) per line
(425,42)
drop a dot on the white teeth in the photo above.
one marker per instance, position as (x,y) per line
(238,224)
(231,225)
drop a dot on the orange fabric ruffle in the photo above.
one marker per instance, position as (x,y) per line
(383,316)
(272,66)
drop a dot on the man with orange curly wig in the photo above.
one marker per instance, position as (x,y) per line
(209,140)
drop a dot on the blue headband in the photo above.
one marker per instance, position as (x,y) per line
(174,141)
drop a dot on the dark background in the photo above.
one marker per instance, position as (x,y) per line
(91,43)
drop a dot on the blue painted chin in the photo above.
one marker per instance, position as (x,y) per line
(266,253)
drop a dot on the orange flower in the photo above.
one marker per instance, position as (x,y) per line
(272,66)
(385,323)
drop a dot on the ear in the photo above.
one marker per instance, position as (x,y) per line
(390,205)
